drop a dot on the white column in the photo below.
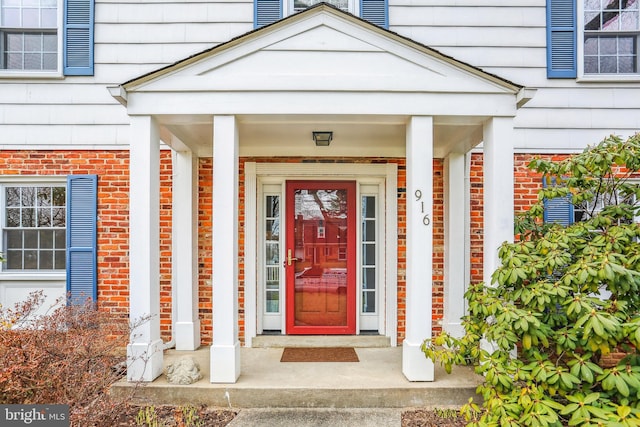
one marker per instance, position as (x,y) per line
(225,351)
(144,351)
(455,250)
(498,190)
(185,247)
(419,274)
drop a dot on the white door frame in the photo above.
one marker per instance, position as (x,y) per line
(265,173)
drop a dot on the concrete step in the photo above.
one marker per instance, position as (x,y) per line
(292,417)
(265,382)
(358,341)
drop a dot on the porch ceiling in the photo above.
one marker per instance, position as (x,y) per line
(354,135)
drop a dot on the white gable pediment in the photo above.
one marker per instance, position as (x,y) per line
(321,50)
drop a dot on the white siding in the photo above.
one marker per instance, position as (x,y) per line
(132,38)
(503,37)
(508,38)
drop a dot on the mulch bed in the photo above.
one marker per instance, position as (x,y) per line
(171,416)
(428,418)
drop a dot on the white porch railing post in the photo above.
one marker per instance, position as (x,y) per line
(144,351)
(419,279)
(185,248)
(455,249)
(225,350)
(498,190)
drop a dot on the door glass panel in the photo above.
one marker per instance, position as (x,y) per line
(320,248)
(369,234)
(272,254)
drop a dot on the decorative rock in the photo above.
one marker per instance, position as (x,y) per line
(183,371)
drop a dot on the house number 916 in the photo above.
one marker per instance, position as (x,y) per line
(425,218)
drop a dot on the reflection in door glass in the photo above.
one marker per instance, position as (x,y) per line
(272,254)
(320,252)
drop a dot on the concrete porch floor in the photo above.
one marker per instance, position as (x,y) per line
(265,382)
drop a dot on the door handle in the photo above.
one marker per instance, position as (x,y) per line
(289,258)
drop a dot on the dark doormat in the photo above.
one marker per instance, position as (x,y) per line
(320,354)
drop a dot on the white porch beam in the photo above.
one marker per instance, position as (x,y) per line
(419,232)
(185,246)
(144,351)
(455,238)
(498,190)
(225,350)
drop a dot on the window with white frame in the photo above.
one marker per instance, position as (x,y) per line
(611,29)
(299,5)
(33,219)
(29,35)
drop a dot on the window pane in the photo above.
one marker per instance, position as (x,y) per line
(627,64)
(629,21)
(49,18)
(30,18)
(13,196)
(273,206)
(14,239)
(46,239)
(368,278)
(14,61)
(13,217)
(591,46)
(59,196)
(30,260)
(369,231)
(44,217)
(11,17)
(608,46)
(32,61)
(272,254)
(60,259)
(46,260)
(28,217)
(60,239)
(368,207)
(58,217)
(28,196)
(32,42)
(608,64)
(591,64)
(49,61)
(14,260)
(273,230)
(50,44)
(44,196)
(31,239)
(368,302)
(369,255)
(273,302)
(13,42)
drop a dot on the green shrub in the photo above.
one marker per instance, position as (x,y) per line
(564,299)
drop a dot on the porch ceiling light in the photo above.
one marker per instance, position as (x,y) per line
(322,138)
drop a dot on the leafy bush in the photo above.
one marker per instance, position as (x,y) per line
(564,299)
(68,356)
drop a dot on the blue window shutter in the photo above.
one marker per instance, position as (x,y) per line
(375,11)
(561,39)
(82,201)
(558,210)
(267,12)
(78,37)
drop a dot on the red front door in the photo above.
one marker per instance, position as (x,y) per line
(320,257)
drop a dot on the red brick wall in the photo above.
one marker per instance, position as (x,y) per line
(526,186)
(112,168)
(205,250)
